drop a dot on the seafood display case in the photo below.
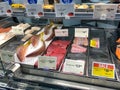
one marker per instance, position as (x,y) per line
(99,46)
(79,48)
(28,75)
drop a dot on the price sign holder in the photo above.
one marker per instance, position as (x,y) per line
(61,33)
(34,10)
(7,56)
(81,32)
(47,62)
(74,66)
(64,10)
(105,70)
(5,9)
(105,11)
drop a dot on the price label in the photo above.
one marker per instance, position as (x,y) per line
(5,9)
(63,10)
(81,32)
(95,43)
(74,66)
(17,31)
(105,11)
(103,70)
(3,84)
(61,32)
(47,62)
(34,10)
(7,56)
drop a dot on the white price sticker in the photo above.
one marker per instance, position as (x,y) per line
(34,10)
(7,56)
(105,11)
(47,62)
(63,10)
(61,32)
(81,32)
(17,31)
(74,66)
(3,84)
(5,9)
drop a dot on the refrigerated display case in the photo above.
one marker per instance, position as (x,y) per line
(30,77)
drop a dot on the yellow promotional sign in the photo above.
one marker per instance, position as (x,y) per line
(103,70)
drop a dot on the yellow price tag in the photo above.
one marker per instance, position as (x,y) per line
(94,43)
(103,70)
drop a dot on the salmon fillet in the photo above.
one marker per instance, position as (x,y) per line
(34,40)
(21,52)
(2,30)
